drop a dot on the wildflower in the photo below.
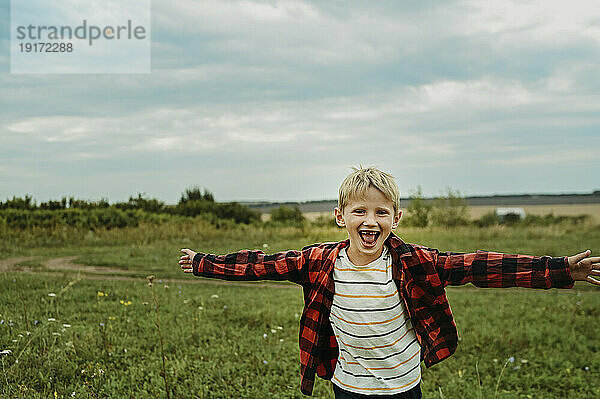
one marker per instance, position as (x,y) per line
(166,287)
(214,296)
(100,371)
(14,280)
(265,336)
(35,322)
(111,317)
(100,293)
(280,339)
(73,394)
(265,362)
(586,368)
(101,324)
(224,306)
(265,245)
(2,321)
(200,308)
(20,335)
(51,319)
(66,325)
(273,331)
(524,361)
(5,352)
(179,291)
(511,359)
(52,294)
(14,341)
(279,328)
(295,315)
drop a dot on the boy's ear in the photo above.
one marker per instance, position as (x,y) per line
(339,217)
(397,218)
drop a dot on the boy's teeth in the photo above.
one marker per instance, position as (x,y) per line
(369,236)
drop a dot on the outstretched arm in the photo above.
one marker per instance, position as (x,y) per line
(583,267)
(245,265)
(492,269)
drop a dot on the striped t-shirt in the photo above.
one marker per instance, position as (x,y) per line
(378,349)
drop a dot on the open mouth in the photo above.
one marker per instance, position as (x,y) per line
(369,238)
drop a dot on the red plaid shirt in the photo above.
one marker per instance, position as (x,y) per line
(420,273)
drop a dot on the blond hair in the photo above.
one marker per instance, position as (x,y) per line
(358,182)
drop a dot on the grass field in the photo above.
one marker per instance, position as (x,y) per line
(90,332)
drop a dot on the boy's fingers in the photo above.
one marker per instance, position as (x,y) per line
(573,260)
(592,280)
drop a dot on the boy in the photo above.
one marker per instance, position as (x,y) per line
(374,306)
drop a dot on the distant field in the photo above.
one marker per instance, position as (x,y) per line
(477,211)
(558,210)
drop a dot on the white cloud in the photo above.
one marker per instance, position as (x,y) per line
(553,22)
(412,112)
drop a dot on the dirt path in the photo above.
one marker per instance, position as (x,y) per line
(55,265)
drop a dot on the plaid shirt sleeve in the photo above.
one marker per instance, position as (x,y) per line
(252,265)
(498,270)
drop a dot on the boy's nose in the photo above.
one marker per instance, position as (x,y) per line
(369,220)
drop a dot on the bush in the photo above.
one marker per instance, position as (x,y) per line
(87,218)
(450,210)
(285,214)
(419,210)
(488,219)
(141,202)
(19,203)
(194,194)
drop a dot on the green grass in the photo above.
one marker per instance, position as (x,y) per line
(215,347)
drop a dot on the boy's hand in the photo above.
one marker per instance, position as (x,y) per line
(186,260)
(584,267)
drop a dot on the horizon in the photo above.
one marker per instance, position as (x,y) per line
(246,202)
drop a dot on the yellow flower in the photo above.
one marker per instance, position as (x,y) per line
(122,302)
(100,293)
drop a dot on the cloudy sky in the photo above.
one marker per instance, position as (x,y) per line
(276,100)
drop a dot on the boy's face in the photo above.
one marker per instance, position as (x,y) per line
(369,221)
